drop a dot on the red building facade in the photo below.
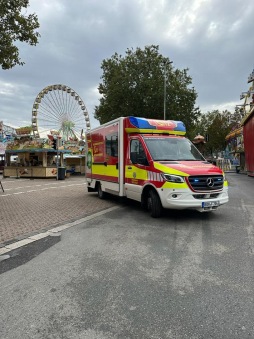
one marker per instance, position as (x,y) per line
(248,135)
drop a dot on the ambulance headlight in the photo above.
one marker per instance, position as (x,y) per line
(172,178)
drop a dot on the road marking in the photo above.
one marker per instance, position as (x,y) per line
(56,183)
(42,189)
(11,181)
(52,232)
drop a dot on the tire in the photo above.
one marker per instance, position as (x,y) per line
(144,203)
(101,194)
(154,204)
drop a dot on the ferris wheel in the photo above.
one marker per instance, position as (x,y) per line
(59,109)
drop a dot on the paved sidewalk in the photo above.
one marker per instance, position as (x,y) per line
(29,206)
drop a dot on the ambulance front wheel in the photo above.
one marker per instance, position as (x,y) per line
(154,204)
(101,194)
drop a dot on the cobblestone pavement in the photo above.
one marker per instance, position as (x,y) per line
(30,206)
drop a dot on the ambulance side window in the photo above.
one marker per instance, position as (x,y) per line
(137,153)
(112,145)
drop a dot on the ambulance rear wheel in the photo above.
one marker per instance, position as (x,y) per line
(101,194)
(154,204)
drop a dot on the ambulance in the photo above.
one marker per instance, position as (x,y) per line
(152,162)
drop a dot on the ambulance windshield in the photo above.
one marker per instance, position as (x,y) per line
(168,149)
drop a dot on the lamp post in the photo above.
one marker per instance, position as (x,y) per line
(165,86)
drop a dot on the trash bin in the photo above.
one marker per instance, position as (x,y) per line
(61,173)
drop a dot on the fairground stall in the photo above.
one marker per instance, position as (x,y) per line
(235,147)
(75,164)
(29,158)
(59,119)
(245,137)
(6,135)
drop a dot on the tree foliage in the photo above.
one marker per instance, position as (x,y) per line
(216,125)
(134,85)
(15,26)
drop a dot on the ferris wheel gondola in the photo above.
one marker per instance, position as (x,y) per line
(59,108)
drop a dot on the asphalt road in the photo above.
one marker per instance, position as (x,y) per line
(123,274)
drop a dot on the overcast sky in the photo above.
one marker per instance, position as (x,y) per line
(212,38)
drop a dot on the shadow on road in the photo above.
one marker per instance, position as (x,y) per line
(26,253)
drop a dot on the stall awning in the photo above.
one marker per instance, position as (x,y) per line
(36,150)
(234,133)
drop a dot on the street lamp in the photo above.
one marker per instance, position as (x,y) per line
(165,64)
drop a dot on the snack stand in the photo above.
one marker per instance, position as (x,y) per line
(75,163)
(34,159)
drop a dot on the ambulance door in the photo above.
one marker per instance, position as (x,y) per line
(111,157)
(135,169)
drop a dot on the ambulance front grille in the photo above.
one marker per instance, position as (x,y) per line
(206,182)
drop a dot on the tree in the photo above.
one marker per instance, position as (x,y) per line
(134,85)
(235,118)
(216,125)
(15,26)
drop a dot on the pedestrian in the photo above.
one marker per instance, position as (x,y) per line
(236,163)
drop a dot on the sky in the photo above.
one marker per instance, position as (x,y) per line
(212,38)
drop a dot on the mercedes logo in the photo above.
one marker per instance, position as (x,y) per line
(209,182)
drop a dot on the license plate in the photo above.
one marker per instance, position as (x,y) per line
(210,203)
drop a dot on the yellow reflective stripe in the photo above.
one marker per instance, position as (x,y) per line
(109,170)
(170,170)
(139,173)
